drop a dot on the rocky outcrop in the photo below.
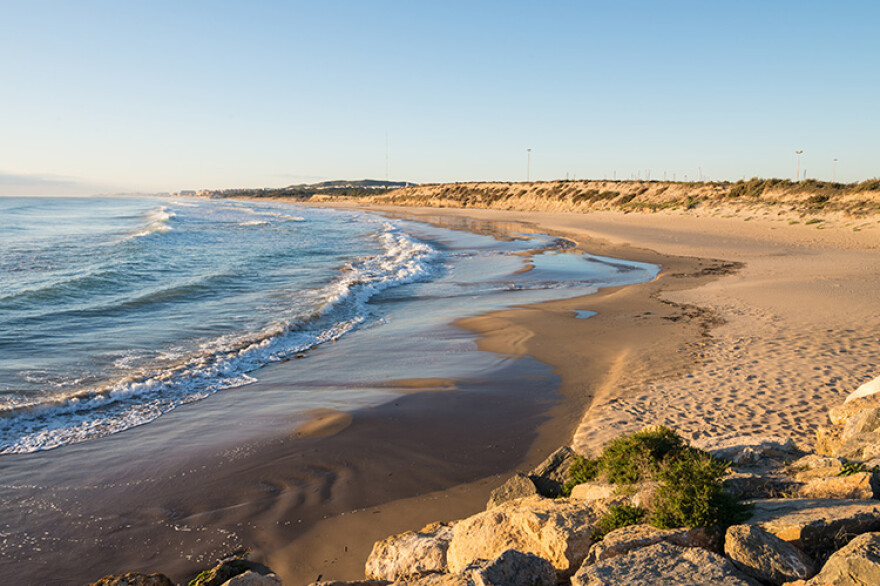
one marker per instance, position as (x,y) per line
(511,568)
(663,564)
(759,485)
(134,579)
(856,564)
(410,555)
(764,556)
(517,487)
(557,530)
(750,450)
(626,539)
(816,526)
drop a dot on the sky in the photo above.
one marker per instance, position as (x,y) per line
(100,96)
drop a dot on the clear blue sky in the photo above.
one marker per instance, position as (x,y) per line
(153,95)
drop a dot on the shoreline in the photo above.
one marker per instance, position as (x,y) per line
(770,318)
(586,354)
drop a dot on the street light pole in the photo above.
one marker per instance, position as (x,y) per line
(528,165)
(834,172)
(797,176)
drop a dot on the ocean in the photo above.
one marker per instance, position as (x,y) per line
(115,311)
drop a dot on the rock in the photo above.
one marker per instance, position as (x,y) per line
(869,388)
(840,414)
(764,556)
(354,583)
(594,490)
(627,539)
(411,554)
(861,485)
(251,578)
(519,486)
(815,466)
(438,580)
(227,569)
(751,485)
(663,564)
(134,579)
(552,473)
(816,526)
(861,447)
(744,450)
(856,564)
(828,440)
(557,530)
(512,568)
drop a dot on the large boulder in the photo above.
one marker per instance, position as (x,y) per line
(855,430)
(551,474)
(557,530)
(861,485)
(663,564)
(764,556)
(816,526)
(749,451)
(512,568)
(411,554)
(134,579)
(517,487)
(856,564)
(627,539)
(859,447)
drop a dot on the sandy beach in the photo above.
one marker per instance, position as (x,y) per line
(755,326)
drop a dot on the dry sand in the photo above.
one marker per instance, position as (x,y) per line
(755,326)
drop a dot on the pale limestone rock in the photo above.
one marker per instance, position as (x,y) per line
(627,539)
(841,413)
(411,554)
(871,387)
(437,580)
(512,568)
(764,556)
(861,447)
(861,485)
(251,578)
(557,530)
(856,564)
(815,466)
(353,583)
(828,440)
(816,526)
(663,564)
(519,486)
(745,450)
(593,490)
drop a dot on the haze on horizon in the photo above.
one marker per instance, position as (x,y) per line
(105,96)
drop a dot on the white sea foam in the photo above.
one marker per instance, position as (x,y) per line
(221,363)
(157,221)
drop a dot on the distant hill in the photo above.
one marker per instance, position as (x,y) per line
(337,188)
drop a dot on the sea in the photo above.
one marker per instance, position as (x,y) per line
(115,311)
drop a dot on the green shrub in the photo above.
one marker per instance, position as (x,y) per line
(690,493)
(634,457)
(617,517)
(850,468)
(582,470)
